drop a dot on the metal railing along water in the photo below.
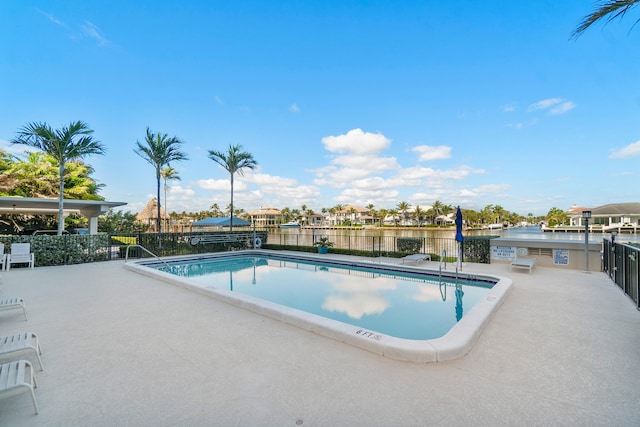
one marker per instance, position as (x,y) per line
(620,262)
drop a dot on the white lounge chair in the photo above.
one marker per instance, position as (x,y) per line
(523,263)
(20,253)
(13,302)
(20,343)
(416,258)
(18,377)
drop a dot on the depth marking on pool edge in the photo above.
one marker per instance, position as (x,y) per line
(369,334)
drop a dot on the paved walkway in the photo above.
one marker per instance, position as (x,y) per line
(121,349)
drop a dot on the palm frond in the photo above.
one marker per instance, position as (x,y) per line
(610,10)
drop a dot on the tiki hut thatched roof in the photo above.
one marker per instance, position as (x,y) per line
(150,212)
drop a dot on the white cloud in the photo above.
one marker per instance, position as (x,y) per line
(15,149)
(374,183)
(356,142)
(553,105)
(92,31)
(428,152)
(368,164)
(218,100)
(492,188)
(215,184)
(430,173)
(177,192)
(509,108)
(346,175)
(515,125)
(270,180)
(294,108)
(563,108)
(544,104)
(53,19)
(630,150)
(362,197)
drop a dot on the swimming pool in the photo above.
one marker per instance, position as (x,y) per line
(401,312)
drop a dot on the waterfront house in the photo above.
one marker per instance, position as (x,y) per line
(266,217)
(623,217)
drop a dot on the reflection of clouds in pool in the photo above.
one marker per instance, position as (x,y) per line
(357,298)
(356,305)
(427,293)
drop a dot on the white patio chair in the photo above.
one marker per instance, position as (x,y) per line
(20,253)
(11,346)
(13,302)
(18,377)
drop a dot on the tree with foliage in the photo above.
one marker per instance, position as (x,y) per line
(233,161)
(382,214)
(160,151)
(168,174)
(557,216)
(119,222)
(72,142)
(608,10)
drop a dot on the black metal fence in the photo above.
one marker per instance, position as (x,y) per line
(621,264)
(475,249)
(76,249)
(172,244)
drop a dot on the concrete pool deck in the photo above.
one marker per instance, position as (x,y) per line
(124,349)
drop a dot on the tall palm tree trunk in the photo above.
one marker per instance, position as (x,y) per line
(231,216)
(60,200)
(158,197)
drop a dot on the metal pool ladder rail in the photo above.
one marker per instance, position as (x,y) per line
(126,255)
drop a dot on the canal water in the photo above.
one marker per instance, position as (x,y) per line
(306,236)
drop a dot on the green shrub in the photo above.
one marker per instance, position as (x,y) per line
(409,244)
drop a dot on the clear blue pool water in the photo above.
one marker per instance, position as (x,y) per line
(386,300)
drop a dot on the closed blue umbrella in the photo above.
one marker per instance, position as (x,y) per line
(459,236)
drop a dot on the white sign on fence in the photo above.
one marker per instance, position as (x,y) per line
(503,252)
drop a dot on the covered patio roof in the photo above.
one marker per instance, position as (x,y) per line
(91,209)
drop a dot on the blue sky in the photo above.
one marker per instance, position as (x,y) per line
(469,103)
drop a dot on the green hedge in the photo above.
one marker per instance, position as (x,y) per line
(62,250)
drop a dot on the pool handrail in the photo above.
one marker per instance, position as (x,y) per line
(126,255)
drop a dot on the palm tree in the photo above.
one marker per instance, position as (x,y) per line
(215,210)
(610,10)
(160,151)
(403,207)
(418,214)
(234,160)
(167,174)
(436,210)
(72,142)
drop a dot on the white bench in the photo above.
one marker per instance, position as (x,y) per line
(528,263)
(416,258)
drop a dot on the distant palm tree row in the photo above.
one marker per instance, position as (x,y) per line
(490,214)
